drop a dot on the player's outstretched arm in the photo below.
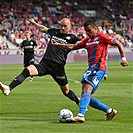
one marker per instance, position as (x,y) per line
(66,46)
(42,28)
(122,52)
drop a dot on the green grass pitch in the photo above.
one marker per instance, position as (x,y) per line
(33,107)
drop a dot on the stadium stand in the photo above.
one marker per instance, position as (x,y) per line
(110,14)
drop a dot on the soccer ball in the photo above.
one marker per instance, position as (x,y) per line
(64,114)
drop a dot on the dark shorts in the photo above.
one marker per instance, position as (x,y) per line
(54,69)
(29,60)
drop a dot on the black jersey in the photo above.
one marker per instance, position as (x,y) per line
(28,46)
(56,53)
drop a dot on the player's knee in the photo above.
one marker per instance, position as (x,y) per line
(65,90)
(32,70)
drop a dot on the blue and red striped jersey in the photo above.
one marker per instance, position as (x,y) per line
(97,49)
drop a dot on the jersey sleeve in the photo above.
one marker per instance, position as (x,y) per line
(75,39)
(108,39)
(83,42)
(52,31)
(35,44)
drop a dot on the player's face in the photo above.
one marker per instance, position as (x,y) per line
(90,31)
(65,26)
(27,35)
(99,29)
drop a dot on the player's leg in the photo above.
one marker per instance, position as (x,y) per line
(31,62)
(58,73)
(90,81)
(110,113)
(84,102)
(28,62)
(95,103)
(106,73)
(30,70)
(69,93)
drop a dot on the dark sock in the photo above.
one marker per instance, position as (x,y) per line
(71,95)
(19,79)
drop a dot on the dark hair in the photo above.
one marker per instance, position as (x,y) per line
(90,22)
(33,35)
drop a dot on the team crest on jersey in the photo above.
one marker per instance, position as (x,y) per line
(31,43)
(68,37)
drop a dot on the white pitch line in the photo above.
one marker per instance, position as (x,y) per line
(75,81)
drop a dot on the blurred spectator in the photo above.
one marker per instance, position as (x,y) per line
(80,36)
(4,45)
(14,17)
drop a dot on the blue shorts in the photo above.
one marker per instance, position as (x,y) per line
(93,76)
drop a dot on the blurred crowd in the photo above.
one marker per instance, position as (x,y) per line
(14,17)
(121,12)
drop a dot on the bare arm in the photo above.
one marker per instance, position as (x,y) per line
(37,47)
(122,52)
(42,28)
(66,46)
(21,51)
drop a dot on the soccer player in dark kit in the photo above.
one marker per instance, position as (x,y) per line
(53,61)
(27,49)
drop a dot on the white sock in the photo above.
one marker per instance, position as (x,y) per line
(81,115)
(109,111)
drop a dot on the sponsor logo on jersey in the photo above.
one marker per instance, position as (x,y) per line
(68,37)
(90,43)
(28,47)
(60,40)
